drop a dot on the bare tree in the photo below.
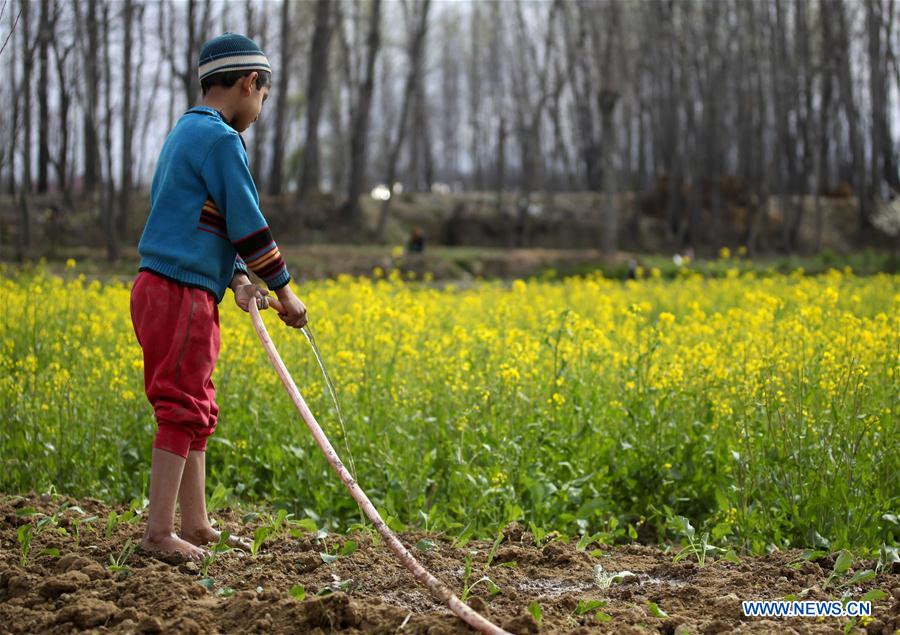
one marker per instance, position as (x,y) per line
(838,9)
(198,24)
(608,96)
(88,47)
(23,244)
(884,161)
(317,89)
(350,212)
(417,27)
(14,100)
(531,94)
(276,171)
(127,119)
(109,191)
(45,36)
(60,158)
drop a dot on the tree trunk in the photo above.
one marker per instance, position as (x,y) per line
(127,158)
(845,87)
(61,160)
(884,162)
(673,135)
(824,139)
(23,244)
(608,97)
(318,82)
(501,163)
(108,202)
(45,35)
(276,172)
(14,103)
(350,213)
(256,29)
(416,47)
(92,80)
(475,97)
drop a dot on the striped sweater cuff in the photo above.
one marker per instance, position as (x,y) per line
(261,255)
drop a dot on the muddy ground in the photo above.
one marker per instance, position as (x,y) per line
(368,591)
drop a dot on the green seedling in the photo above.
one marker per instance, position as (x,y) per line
(219,547)
(117,563)
(27,533)
(24,535)
(348,549)
(270,528)
(298,592)
(114,520)
(655,611)
(467,588)
(535,609)
(76,524)
(299,528)
(840,573)
(426,545)
(887,556)
(259,537)
(336,585)
(605,580)
(697,547)
(464,537)
(218,498)
(586,606)
(587,539)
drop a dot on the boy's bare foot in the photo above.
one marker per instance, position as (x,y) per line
(170,546)
(209,536)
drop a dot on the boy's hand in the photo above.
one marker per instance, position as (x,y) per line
(290,309)
(244,294)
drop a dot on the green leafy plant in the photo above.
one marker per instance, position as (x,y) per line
(270,528)
(76,524)
(220,547)
(586,606)
(24,535)
(887,556)
(492,587)
(117,563)
(605,580)
(656,611)
(218,498)
(696,546)
(535,609)
(298,592)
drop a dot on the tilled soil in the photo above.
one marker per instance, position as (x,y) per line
(369,591)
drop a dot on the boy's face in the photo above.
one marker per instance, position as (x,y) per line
(249,103)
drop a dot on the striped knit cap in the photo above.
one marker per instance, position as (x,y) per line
(231,52)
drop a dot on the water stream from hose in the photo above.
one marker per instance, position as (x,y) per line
(307,331)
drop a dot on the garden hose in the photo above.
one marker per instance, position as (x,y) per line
(437,588)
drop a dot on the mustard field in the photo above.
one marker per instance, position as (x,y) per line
(762,409)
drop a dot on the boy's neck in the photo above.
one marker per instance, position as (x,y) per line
(219,102)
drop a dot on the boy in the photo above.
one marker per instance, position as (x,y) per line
(204,230)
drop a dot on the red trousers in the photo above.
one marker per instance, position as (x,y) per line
(178,330)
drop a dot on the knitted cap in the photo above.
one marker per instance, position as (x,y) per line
(231,52)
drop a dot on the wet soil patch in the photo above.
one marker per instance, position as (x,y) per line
(65,588)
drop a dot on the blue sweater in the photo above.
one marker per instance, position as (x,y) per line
(205,223)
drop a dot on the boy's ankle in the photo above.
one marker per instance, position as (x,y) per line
(156,534)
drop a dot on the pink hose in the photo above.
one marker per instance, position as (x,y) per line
(437,588)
